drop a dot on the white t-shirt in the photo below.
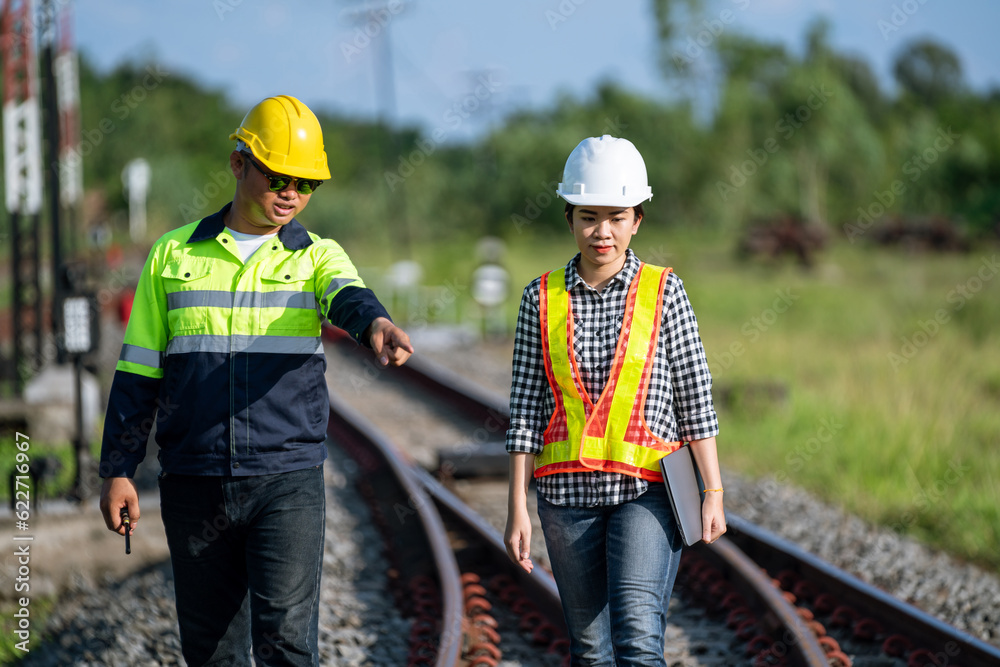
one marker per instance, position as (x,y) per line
(248,243)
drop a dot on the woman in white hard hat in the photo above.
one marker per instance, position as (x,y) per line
(609,376)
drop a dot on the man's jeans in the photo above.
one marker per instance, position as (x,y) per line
(247,553)
(615,568)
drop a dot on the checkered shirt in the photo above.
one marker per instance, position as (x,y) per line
(679,403)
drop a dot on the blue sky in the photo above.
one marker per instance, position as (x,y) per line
(474,60)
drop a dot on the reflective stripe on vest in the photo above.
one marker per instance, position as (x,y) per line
(611,435)
(202,291)
(200,298)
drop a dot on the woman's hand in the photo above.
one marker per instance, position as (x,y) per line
(517,537)
(706,457)
(713,519)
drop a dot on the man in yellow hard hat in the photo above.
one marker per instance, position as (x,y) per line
(223,355)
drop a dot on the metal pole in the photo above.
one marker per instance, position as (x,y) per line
(378,12)
(50,106)
(80,315)
(397,199)
(81,489)
(23,183)
(38,358)
(17,302)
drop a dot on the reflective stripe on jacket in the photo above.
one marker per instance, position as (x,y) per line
(612,434)
(225,358)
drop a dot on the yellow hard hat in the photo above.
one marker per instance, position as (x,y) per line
(285,135)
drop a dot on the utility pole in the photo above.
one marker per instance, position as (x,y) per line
(23,186)
(374,18)
(47,26)
(67,75)
(75,312)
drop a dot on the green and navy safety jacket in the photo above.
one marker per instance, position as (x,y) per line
(225,357)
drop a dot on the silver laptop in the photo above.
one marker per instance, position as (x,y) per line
(684,488)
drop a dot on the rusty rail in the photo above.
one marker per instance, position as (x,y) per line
(867,614)
(426,578)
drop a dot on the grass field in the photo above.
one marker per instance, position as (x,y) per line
(871,380)
(892,408)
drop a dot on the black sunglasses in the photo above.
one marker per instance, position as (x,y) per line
(304,186)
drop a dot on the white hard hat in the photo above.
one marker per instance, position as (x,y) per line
(605,171)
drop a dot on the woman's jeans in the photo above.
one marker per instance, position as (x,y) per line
(615,568)
(247,553)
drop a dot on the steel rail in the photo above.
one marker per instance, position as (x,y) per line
(399,496)
(790,634)
(893,615)
(539,585)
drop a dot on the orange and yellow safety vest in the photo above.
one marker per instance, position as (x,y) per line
(610,435)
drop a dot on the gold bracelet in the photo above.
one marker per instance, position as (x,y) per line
(718,489)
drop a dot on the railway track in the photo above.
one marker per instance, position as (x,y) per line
(450,575)
(782,605)
(866,621)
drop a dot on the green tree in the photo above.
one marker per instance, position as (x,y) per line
(793,137)
(929,71)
